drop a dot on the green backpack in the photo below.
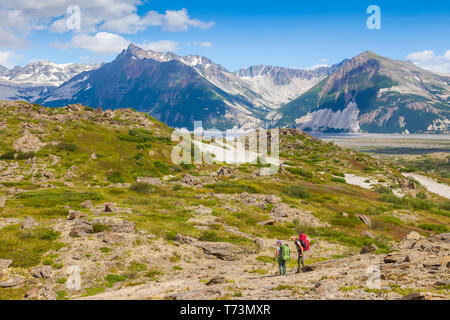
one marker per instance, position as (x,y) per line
(285,252)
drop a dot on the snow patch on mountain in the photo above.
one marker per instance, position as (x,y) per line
(44,73)
(323,119)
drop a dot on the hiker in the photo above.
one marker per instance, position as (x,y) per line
(283,255)
(302,244)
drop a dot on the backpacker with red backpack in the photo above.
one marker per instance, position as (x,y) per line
(304,241)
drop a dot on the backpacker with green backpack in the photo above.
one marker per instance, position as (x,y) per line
(285,252)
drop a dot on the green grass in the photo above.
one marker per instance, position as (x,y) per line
(92,291)
(112,279)
(296,191)
(54,197)
(232,187)
(437,228)
(26,247)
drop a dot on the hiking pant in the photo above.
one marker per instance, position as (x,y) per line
(300,262)
(282,267)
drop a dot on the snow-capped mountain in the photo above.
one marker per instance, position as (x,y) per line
(29,83)
(43,73)
(173,89)
(366,93)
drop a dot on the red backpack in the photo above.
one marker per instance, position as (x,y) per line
(304,241)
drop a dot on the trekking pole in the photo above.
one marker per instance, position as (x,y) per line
(273,265)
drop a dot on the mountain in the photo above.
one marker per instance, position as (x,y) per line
(373,94)
(36,79)
(179,90)
(278,85)
(168,87)
(44,73)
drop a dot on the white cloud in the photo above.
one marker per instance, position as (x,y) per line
(160,46)
(8,59)
(428,60)
(104,43)
(180,21)
(118,16)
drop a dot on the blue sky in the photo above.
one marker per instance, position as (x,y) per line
(232,33)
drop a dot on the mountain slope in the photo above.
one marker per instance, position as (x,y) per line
(375,94)
(278,85)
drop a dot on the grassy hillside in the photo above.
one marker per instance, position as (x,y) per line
(88,155)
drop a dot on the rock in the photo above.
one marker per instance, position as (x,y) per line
(445,263)
(109,207)
(259,243)
(203,210)
(217,280)
(42,272)
(111,238)
(424,296)
(48,175)
(396,258)
(197,294)
(267,223)
(414,236)
(10,283)
(28,143)
(221,250)
(2,202)
(365,219)
(87,204)
(124,226)
(5,263)
(75,215)
(272,199)
(150,181)
(224,172)
(368,249)
(29,223)
(345,214)
(424,245)
(367,234)
(41,293)
(81,228)
(190,180)
(444,282)
(93,156)
(183,239)
(445,237)
(326,287)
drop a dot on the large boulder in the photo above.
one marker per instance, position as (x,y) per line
(12,282)
(190,180)
(5,263)
(73,215)
(42,272)
(28,143)
(365,219)
(81,228)
(221,250)
(368,249)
